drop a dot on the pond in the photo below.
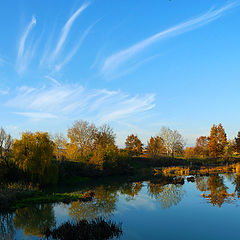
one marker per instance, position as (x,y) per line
(203,207)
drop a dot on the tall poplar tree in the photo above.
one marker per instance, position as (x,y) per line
(217,140)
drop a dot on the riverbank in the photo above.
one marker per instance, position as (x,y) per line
(14,196)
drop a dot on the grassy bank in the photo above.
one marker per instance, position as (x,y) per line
(19,196)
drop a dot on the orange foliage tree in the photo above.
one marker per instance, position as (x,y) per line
(134,145)
(155,147)
(217,141)
(190,152)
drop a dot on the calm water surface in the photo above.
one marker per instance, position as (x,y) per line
(208,208)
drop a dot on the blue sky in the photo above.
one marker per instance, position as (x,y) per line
(135,64)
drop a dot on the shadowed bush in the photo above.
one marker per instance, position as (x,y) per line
(98,229)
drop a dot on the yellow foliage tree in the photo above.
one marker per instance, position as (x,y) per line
(33,153)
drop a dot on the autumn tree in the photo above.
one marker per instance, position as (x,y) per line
(133,145)
(237,143)
(155,147)
(82,139)
(189,152)
(33,154)
(104,136)
(173,141)
(5,146)
(229,148)
(217,141)
(59,146)
(201,148)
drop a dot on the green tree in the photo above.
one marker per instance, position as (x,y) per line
(33,154)
(217,140)
(134,145)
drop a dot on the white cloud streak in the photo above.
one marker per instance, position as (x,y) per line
(113,62)
(67,27)
(74,101)
(53,80)
(24,37)
(37,115)
(24,55)
(75,49)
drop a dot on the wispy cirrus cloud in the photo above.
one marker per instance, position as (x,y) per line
(53,80)
(67,27)
(74,101)
(118,59)
(75,49)
(4,91)
(24,55)
(37,115)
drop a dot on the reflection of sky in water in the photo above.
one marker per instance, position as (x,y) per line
(192,217)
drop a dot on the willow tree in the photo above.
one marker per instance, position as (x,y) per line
(33,154)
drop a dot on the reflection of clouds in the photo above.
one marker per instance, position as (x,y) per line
(61,210)
(142,201)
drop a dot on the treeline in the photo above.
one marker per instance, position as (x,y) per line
(39,157)
(90,150)
(216,145)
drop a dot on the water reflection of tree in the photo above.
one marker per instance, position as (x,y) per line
(168,195)
(35,220)
(237,185)
(7,230)
(216,189)
(237,180)
(131,189)
(104,204)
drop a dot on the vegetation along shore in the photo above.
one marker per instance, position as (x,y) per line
(29,165)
